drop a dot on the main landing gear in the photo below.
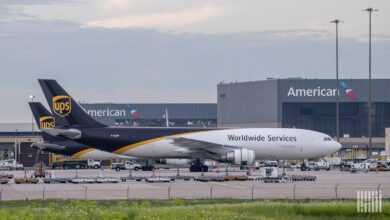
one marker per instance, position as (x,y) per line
(197,166)
(148,166)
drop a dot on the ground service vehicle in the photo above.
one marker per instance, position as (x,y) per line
(93,164)
(125,166)
(9,165)
(76,164)
(321,165)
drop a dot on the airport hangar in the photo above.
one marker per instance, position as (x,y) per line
(16,138)
(311,104)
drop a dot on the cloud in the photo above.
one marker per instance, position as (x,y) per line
(375,38)
(165,20)
(113,5)
(29,2)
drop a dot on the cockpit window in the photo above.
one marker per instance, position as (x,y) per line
(327,139)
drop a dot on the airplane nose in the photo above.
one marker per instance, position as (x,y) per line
(337,146)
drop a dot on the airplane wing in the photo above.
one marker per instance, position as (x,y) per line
(200,147)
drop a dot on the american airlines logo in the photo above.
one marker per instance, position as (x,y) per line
(311,92)
(320,92)
(106,112)
(109,112)
(349,91)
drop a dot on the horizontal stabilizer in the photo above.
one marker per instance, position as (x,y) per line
(68,133)
(45,145)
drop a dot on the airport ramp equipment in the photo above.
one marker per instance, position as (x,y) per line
(136,178)
(254,178)
(6,176)
(203,178)
(271,179)
(157,180)
(26,180)
(55,180)
(83,180)
(180,177)
(185,178)
(4,180)
(107,180)
(131,177)
(236,178)
(303,178)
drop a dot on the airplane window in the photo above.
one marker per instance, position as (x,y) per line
(327,139)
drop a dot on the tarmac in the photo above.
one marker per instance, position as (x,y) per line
(329,184)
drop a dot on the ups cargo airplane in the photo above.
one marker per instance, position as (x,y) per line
(233,145)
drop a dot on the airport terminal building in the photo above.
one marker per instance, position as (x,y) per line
(309,104)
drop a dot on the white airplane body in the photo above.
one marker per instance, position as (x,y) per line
(267,143)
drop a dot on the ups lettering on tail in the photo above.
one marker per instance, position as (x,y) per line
(47,122)
(62,105)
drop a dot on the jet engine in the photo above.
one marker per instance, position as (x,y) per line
(174,161)
(241,156)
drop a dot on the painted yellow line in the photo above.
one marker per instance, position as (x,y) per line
(224,184)
(79,154)
(131,146)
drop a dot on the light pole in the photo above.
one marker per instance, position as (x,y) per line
(337,21)
(32,116)
(222,97)
(369,10)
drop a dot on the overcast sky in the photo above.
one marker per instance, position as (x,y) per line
(145,51)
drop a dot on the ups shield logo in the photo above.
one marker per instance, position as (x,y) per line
(62,105)
(47,122)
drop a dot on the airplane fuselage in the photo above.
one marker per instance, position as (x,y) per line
(267,143)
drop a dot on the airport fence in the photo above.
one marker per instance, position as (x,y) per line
(189,190)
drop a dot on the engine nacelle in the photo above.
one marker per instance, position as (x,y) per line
(241,156)
(174,161)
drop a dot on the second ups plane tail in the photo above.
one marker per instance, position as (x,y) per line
(43,117)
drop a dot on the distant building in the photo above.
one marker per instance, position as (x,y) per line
(15,141)
(179,114)
(309,104)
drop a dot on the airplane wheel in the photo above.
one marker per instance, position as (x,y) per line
(195,168)
(199,168)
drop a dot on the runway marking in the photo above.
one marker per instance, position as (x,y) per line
(223,184)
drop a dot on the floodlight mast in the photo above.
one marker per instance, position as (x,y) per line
(337,21)
(369,10)
(32,116)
